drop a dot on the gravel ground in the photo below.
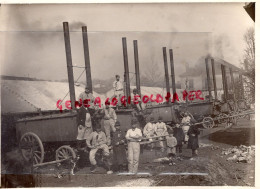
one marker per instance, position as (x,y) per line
(210,168)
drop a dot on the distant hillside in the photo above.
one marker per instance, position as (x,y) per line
(7,77)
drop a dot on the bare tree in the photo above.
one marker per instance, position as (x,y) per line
(153,76)
(249,64)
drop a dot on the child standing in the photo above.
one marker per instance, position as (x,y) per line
(171,143)
(179,135)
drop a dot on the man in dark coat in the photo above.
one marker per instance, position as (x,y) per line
(119,153)
(179,135)
(193,142)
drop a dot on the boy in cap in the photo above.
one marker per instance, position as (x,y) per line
(96,141)
(133,137)
(160,130)
(179,135)
(171,142)
(119,153)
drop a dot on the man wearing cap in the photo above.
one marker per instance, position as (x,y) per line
(149,130)
(118,87)
(87,95)
(119,153)
(109,121)
(133,137)
(96,141)
(161,130)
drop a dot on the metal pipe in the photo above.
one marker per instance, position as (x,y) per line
(127,80)
(214,78)
(172,72)
(137,73)
(87,59)
(224,82)
(241,85)
(166,70)
(69,63)
(233,87)
(208,79)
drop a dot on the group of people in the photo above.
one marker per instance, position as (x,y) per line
(112,137)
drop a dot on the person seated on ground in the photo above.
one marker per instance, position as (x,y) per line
(171,143)
(193,142)
(110,119)
(179,135)
(119,152)
(149,131)
(97,141)
(161,130)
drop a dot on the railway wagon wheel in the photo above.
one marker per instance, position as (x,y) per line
(36,147)
(65,152)
(222,118)
(208,122)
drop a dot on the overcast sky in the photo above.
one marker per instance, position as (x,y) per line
(32,40)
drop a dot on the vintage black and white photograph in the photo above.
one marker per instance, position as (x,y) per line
(127,94)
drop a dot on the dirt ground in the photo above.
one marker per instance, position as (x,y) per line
(210,168)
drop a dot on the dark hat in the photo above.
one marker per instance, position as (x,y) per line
(117,75)
(151,119)
(159,118)
(86,87)
(117,123)
(134,121)
(134,90)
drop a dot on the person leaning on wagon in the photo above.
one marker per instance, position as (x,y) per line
(193,142)
(149,130)
(133,137)
(109,121)
(87,95)
(97,141)
(161,130)
(119,153)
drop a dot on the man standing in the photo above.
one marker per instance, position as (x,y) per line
(96,141)
(87,95)
(109,121)
(119,153)
(193,142)
(118,88)
(133,136)
(161,130)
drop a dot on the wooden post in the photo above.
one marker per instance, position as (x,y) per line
(137,73)
(87,59)
(208,79)
(127,80)
(172,72)
(214,79)
(166,70)
(242,86)
(69,63)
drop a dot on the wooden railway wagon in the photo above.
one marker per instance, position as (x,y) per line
(41,131)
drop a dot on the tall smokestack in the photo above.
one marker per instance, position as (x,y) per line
(127,80)
(172,72)
(214,78)
(224,82)
(87,59)
(69,63)
(208,79)
(166,70)
(138,86)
